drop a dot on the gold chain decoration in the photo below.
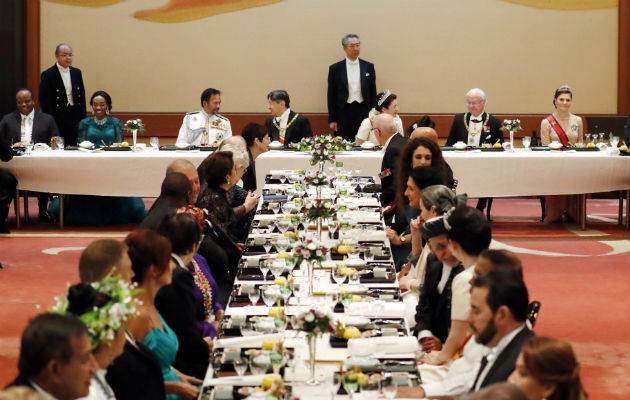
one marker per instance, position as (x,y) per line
(282,130)
(483,126)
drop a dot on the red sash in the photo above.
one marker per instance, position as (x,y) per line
(558,129)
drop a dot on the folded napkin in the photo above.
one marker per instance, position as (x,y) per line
(368,235)
(363,216)
(248,341)
(389,309)
(246,380)
(383,345)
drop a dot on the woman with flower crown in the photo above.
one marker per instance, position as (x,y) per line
(150,255)
(104,307)
(386,102)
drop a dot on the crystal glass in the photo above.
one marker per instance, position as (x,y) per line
(338,276)
(526,142)
(368,253)
(292,178)
(60,143)
(285,292)
(259,364)
(588,138)
(254,295)
(351,386)
(277,268)
(155,143)
(281,243)
(354,279)
(290,261)
(283,179)
(283,224)
(270,295)
(274,206)
(333,224)
(264,268)
(268,244)
(240,366)
(389,387)
(614,141)
(601,137)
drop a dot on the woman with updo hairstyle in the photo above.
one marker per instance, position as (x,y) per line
(101,129)
(562,126)
(468,235)
(425,121)
(150,255)
(547,368)
(386,102)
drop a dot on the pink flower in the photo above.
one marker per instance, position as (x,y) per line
(317,330)
(318,253)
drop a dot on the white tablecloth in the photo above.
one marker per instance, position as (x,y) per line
(497,174)
(480,174)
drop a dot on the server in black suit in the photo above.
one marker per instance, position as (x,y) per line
(62,94)
(498,302)
(27,125)
(351,89)
(8,183)
(387,135)
(475,128)
(286,126)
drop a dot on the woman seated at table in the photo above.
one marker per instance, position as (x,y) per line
(548,369)
(420,152)
(221,174)
(386,102)
(192,281)
(567,129)
(469,234)
(100,210)
(150,256)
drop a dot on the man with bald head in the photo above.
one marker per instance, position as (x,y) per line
(62,94)
(29,126)
(187,168)
(387,135)
(476,128)
(425,132)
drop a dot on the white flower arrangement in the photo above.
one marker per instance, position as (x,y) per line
(511,125)
(323,148)
(134,125)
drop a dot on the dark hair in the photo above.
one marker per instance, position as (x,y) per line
(46,338)
(24,90)
(497,391)
(59,46)
(104,95)
(206,94)
(217,166)
(564,89)
(98,259)
(552,361)
(424,121)
(147,248)
(405,160)
(182,230)
(503,259)
(469,228)
(278,96)
(176,186)
(424,177)
(505,288)
(385,102)
(253,131)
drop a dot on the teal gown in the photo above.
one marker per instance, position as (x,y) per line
(164,345)
(83,210)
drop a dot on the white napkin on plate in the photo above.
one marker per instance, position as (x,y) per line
(248,341)
(247,380)
(389,309)
(383,345)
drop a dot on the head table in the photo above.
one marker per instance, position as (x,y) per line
(480,174)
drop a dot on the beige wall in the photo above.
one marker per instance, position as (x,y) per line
(429,52)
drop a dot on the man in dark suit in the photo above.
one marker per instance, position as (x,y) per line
(475,128)
(27,125)
(498,302)
(56,357)
(137,363)
(62,94)
(286,126)
(8,183)
(351,89)
(433,313)
(387,135)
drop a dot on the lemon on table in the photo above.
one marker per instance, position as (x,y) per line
(268,344)
(343,249)
(282,254)
(351,333)
(269,380)
(289,233)
(281,280)
(590,145)
(124,144)
(623,148)
(362,379)
(497,145)
(273,312)
(356,298)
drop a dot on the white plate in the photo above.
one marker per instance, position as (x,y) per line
(367,145)
(356,321)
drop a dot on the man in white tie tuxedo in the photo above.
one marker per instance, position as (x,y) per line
(29,126)
(285,126)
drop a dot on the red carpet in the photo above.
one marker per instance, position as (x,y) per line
(582,281)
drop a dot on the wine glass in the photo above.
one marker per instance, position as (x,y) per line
(283,224)
(259,364)
(155,143)
(274,206)
(269,296)
(267,245)
(333,224)
(254,295)
(601,137)
(588,138)
(281,243)
(283,179)
(351,386)
(264,268)
(389,387)
(240,366)
(614,141)
(277,268)
(334,385)
(526,142)
(290,261)
(368,253)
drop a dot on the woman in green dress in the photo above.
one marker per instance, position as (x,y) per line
(101,130)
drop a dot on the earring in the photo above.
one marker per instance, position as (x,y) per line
(107,112)
(93,112)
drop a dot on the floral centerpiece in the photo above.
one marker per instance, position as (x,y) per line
(117,305)
(318,179)
(312,253)
(319,209)
(323,148)
(134,126)
(314,322)
(511,126)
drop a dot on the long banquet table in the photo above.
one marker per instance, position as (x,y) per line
(480,174)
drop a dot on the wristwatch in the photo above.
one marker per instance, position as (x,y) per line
(403,239)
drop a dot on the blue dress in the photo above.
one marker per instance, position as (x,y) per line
(81,210)
(164,344)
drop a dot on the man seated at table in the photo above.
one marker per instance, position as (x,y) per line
(29,126)
(56,357)
(205,127)
(257,140)
(176,192)
(476,128)
(425,132)
(387,135)
(286,126)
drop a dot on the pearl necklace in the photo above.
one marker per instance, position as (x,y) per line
(100,121)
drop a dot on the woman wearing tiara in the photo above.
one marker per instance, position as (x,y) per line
(386,102)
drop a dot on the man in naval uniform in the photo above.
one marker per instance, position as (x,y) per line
(286,126)
(205,127)
(475,128)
